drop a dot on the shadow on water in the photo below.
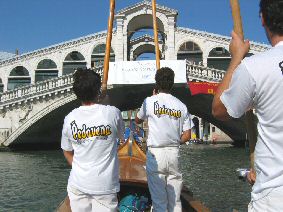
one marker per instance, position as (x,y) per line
(32,147)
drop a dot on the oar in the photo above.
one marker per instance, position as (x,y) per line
(250,117)
(155,34)
(108,48)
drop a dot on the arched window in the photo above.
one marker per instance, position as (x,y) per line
(219,58)
(19,76)
(97,56)
(145,52)
(73,61)
(46,69)
(146,56)
(1,86)
(191,52)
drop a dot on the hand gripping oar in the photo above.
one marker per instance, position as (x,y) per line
(157,53)
(108,48)
(250,117)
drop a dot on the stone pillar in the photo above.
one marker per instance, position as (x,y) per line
(5,83)
(211,136)
(60,69)
(201,123)
(119,53)
(205,56)
(132,56)
(206,131)
(170,41)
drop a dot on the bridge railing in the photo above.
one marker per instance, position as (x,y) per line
(4,134)
(203,73)
(37,88)
(195,71)
(40,88)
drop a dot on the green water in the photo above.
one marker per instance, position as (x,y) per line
(209,172)
(36,181)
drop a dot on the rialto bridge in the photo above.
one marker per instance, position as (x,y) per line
(36,86)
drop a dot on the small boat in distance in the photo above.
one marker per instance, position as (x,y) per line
(133,179)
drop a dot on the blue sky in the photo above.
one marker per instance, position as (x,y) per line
(32,24)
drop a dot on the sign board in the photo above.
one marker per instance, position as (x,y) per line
(143,72)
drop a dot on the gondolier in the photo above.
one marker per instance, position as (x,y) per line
(89,143)
(257,82)
(169,125)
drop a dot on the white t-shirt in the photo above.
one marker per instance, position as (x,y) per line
(167,119)
(91,131)
(258,83)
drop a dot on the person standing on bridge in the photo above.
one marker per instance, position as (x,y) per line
(169,125)
(257,82)
(89,144)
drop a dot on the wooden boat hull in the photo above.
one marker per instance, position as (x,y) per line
(133,179)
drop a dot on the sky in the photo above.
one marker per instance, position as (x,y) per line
(28,25)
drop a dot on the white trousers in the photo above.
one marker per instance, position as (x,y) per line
(164,178)
(272,202)
(81,202)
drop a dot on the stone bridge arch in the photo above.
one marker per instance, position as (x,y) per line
(46,120)
(40,109)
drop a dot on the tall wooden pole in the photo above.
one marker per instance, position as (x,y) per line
(250,117)
(155,29)
(108,46)
(236,13)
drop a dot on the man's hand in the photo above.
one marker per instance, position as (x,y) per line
(251,177)
(238,47)
(185,136)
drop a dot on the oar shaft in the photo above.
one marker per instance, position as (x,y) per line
(108,45)
(236,13)
(155,29)
(250,117)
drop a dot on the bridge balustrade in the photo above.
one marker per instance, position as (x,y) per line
(204,73)
(42,88)
(37,88)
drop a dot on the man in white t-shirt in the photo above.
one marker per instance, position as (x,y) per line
(169,124)
(89,144)
(257,82)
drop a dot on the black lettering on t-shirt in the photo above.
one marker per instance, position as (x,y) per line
(163,110)
(281,66)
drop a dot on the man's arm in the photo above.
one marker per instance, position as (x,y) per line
(185,136)
(238,50)
(69,156)
(142,114)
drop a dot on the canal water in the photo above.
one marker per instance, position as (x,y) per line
(36,180)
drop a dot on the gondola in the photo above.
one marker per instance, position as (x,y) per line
(133,179)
